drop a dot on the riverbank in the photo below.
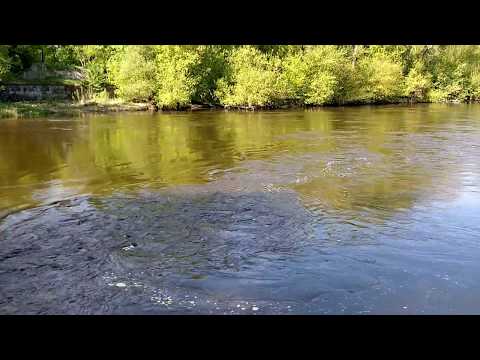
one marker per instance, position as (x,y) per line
(32,109)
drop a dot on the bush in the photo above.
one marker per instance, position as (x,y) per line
(319,75)
(4,62)
(176,81)
(417,85)
(296,77)
(379,79)
(61,57)
(475,85)
(93,60)
(455,72)
(132,72)
(95,78)
(211,66)
(251,80)
(329,75)
(262,75)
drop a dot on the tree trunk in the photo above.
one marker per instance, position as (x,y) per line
(355,51)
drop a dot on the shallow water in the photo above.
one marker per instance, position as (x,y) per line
(358,210)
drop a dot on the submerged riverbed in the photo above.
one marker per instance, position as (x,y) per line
(355,210)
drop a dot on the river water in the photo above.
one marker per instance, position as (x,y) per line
(355,210)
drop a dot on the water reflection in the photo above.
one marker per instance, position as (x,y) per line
(338,210)
(348,158)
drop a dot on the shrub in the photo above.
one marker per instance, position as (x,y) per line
(379,79)
(4,62)
(475,85)
(417,85)
(132,72)
(93,61)
(320,75)
(176,81)
(251,79)
(211,66)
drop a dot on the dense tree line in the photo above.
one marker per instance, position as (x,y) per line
(173,76)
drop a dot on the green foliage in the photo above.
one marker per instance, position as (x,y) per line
(21,57)
(176,80)
(24,109)
(327,77)
(93,60)
(296,77)
(475,85)
(132,71)
(209,69)
(417,84)
(250,80)
(95,77)
(276,50)
(4,62)
(455,69)
(379,78)
(261,75)
(61,57)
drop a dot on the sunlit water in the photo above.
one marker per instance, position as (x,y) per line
(357,210)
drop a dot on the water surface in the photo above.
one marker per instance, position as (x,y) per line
(355,210)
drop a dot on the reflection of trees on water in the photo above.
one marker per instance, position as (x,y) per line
(102,154)
(30,157)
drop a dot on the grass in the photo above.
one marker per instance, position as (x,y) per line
(34,109)
(23,109)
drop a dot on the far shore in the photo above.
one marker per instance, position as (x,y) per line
(38,109)
(32,109)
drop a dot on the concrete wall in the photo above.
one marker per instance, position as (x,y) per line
(36,92)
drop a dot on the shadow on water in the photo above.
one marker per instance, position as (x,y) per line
(232,254)
(100,255)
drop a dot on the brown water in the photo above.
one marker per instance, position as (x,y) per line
(338,210)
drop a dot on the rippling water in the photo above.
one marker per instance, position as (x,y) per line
(358,210)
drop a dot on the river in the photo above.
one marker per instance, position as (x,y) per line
(348,210)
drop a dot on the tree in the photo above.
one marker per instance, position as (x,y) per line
(131,71)
(4,62)
(176,80)
(209,68)
(251,79)
(417,84)
(320,75)
(379,78)
(93,60)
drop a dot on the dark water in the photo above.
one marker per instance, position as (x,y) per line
(361,210)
